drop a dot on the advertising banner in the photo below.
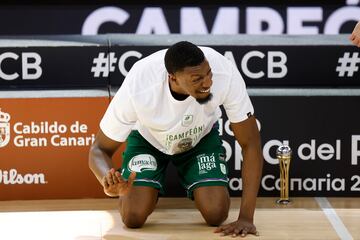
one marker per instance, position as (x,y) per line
(49,67)
(182,17)
(324,135)
(44,147)
(280,62)
(266,66)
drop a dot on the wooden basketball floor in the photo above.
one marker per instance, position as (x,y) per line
(176,218)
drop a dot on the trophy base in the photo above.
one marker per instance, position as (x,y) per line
(283,202)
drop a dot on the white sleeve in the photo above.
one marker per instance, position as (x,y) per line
(237,103)
(120,117)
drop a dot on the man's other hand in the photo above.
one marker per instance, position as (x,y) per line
(115,185)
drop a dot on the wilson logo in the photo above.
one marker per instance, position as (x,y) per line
(13,177)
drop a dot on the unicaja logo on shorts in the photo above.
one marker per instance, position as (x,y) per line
(13,177)
(4,128)
(142,162)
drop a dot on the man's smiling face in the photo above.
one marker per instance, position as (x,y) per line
(194,81)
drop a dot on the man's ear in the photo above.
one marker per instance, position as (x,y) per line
(172,78)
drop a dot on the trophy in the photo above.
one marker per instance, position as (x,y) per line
(283,154)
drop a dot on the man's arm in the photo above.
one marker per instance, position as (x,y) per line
(247,135)
(101,165)
(355,36)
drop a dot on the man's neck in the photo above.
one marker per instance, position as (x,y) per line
(176,94)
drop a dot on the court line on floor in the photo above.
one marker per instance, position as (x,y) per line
(333,218)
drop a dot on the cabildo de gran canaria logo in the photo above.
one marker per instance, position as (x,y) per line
(4,128)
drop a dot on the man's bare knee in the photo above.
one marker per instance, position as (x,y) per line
(134,219)
(214,217)
(213,202)
(137,205)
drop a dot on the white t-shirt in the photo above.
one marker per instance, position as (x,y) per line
(144,102)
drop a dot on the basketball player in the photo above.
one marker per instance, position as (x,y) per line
(167,109)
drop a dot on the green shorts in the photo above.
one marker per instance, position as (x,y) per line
(203,165)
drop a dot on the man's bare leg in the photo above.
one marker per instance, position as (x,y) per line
(213,202)
(136,206)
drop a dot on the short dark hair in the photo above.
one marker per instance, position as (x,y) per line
(183,54)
